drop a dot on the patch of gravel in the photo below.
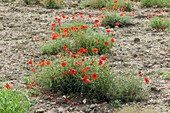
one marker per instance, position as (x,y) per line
(136,47)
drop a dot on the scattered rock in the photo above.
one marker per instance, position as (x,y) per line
(136,40)
(1,27)
(41,110)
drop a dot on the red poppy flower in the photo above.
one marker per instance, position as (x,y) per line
(95,50)
(8,86)
(30,62)
(104,9)
(164,27)
(80,13)
(56,100)
(82,50)
(67,99)
(103,58)
(65,48)
(48,63)
(140,74)
(42,62)
(63,63)
(72,71)
(114,7)
(123,10)
(108,30)
(33,70)
(96,21)
(100,62)
(62,15)
(94,76)
(106,43)
(85,69)
(90,16)
(96,25)
(52,26)
(117,24)
(55,35)
(58,20)
(64,73)
(121,14)
(85,79)
(112,39)
(146,80)
(83,27)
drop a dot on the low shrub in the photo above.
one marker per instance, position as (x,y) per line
(89,76)
(51,4)
(119,4)
(82,39)
(110,4)
(29,2)
(160,23)
(13,102)
(157,3)
(116,19)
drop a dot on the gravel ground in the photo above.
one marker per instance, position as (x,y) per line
(136,47)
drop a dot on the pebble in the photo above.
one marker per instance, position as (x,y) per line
(1,27)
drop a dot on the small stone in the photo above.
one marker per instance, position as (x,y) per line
(136,40)
(1,27)
(40,101)
(41,110)
(84,101)
(154,88)
(92,106)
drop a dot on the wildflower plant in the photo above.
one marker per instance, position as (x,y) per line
(88,76)
(160,23)
(76,37)
(156,3)
(51,4)
(116,19)
(13,101)
(110,4)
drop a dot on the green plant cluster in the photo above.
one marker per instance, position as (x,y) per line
(13,102)
(160,23)
(109,4)
(85,38)
(51,4)
(157,3)
(111,19)
(107,85)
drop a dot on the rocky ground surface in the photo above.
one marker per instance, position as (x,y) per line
(136,47)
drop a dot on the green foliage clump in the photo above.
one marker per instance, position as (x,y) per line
(13,102)
(157,3)
(160,23)
(109,4)
(112,18)
(28,2)
(80,38)
(51,4)
(90,77)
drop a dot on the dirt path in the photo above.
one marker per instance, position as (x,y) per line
(136,47)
